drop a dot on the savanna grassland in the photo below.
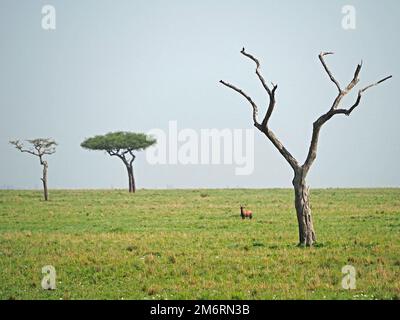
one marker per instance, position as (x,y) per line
(192,244)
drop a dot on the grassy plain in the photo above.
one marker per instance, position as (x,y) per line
(192,244)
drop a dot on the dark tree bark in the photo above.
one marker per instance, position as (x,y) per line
(307,235)
(122,154)
(132,187)
(129,179)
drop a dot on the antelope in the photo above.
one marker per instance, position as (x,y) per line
(245,213)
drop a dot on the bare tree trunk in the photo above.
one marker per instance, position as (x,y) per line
(132,187)
(302,203)
(44,180)
(133,181)
(129,179)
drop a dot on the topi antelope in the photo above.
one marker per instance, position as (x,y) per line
(245,213)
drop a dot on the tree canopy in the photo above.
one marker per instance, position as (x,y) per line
(39,146)
(119,141)
(122,145)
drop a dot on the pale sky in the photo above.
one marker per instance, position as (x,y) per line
(136,65)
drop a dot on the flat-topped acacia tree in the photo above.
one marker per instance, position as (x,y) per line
(301,190)
(122,145)
(39,148)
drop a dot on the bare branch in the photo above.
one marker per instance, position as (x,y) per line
(16,143)
(243,51)
(115,153)
(133,157)
(321,58)
(122,155)
(271,107)
(347,112)
(264,126)
(20,146)
(271,93)
(281,148)
(384,79)
(376,83)
(253,104)
(317,125)
(259,75)
(355,79)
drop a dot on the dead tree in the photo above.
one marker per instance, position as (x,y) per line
(301,190)
(40,147)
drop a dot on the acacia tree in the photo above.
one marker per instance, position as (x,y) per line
(121,145)
(39,148)
(301,190)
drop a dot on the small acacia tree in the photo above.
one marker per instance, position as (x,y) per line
(301,190)
(39,148)
(121,145)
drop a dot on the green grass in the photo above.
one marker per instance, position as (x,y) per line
(192,244)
